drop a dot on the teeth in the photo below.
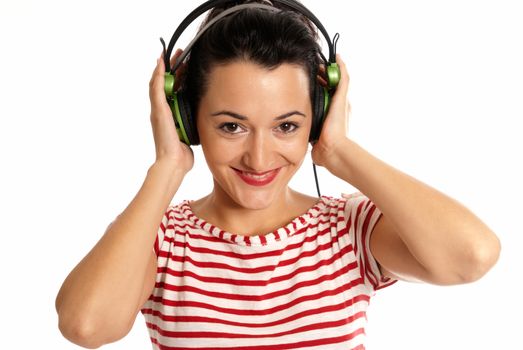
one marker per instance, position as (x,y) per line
(257,177)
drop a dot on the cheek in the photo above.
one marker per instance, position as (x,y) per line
(217,152)
(298,145)
(295,149)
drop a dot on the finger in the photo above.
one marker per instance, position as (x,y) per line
(155,73)
(321,73)
(177,54)
(322,81)
(161,65)
(179,73)
(156,87)
(340,96)
(344,75)
(155,69)
(180,69)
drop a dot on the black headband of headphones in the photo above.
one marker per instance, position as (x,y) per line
(298,7)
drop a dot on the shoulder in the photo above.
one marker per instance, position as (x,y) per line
(176,213)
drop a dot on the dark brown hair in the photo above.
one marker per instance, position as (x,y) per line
(267,38)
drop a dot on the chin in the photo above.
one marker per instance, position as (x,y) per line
(253,197)
(254,200)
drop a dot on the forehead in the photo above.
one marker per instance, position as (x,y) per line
(244,79)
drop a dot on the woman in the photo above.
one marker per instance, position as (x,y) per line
(256,264)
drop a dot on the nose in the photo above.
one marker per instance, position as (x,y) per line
(259,154)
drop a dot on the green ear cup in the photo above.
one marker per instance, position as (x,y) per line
(333,75)
(324,98)
(168,85)
(178,122)
(172,100)
(326,102)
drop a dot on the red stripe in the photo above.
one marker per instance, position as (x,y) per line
(181,224)
(243,282)
(386,281)
(363,254)
(182,231)
(355,239)
(157,246)
(373,278)
(296,345)
(219,335)
(195,237)
(258,269)
(261,297)
(250,312)
(187,212)
(207,250)
(318,311)
(348,226)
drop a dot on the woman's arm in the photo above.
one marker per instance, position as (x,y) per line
(99,300)
(423,235)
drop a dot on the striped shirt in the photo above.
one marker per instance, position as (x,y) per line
(306,285)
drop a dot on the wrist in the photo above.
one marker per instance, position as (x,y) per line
(168,172)
(341,157)
(335,151)
(168,165)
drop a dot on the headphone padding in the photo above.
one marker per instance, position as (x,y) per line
(318,113)
(188,121)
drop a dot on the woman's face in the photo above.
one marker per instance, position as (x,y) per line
(254,126)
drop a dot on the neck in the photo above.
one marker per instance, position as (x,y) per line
(219,208)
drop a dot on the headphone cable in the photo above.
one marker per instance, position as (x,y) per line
(316,178)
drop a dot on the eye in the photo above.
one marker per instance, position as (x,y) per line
(230,128)
(288,128)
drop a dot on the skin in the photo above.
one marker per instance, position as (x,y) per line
(423,234)
(256,143)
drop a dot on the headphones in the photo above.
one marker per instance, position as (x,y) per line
(185,122)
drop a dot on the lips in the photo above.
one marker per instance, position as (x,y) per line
(257,179)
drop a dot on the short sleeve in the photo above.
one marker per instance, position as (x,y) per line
(361,216)
(162,229)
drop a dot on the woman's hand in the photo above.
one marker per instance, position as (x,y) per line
(334,128)
(167,143)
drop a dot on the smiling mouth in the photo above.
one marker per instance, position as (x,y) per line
(257,179)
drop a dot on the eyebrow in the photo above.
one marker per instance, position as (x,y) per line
(242,117)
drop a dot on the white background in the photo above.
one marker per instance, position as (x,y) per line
(436,91)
